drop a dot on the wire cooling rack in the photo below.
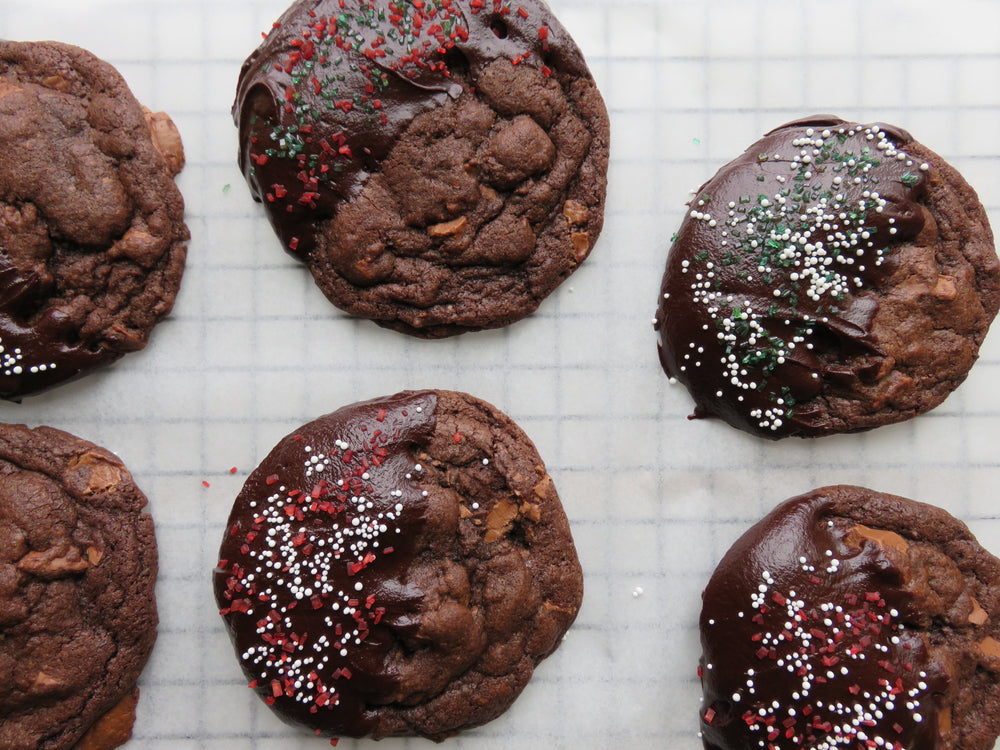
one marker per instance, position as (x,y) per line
(253,350)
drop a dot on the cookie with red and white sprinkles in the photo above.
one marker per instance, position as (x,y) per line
(439,166)
(848,618)
(398,567)
(834,278)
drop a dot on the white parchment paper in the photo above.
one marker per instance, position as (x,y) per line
(253,349)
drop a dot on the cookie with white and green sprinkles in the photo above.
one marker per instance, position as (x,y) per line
(439,166)
(848,618)
(834,278)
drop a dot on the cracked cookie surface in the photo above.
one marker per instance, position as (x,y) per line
(836,277)
(440,167)
(398,567)
(78,619)
(848,617)
(92,233)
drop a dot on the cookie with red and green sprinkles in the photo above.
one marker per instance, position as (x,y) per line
(849,618)
(92,232)
(397,567)
(439,166)
(834,278)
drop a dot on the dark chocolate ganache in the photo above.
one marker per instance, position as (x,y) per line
(322,101)
(311,580)
(771,283)
(805,641)
(43,350)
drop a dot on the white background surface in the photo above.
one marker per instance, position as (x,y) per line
(253,349)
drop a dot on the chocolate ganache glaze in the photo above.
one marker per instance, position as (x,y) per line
(771,301)
(389,560)
(324,99)
(811,637)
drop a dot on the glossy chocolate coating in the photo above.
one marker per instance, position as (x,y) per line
(42,353)
(768,296)
(374,468)
(289,83)
(806,640)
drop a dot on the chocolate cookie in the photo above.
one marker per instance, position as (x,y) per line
(398,567)
(440,167)
(77,608)
(834,278)
(92,234)
(850,618)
